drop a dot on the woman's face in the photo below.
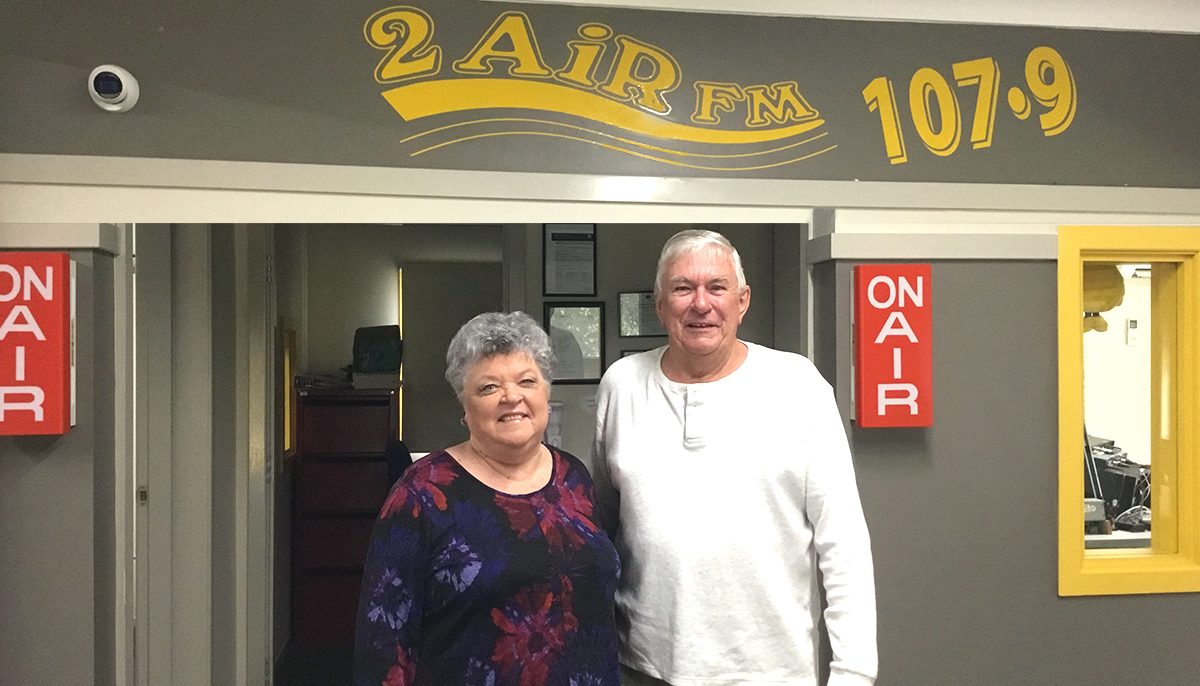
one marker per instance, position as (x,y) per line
(506,401)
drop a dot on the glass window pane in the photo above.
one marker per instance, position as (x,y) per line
(1119,403)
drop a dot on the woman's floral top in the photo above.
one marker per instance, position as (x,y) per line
(468,586)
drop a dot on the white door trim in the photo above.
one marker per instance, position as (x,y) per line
(65,188)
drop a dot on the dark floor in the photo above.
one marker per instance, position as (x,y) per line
(314,666)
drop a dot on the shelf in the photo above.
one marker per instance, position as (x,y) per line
(341,484)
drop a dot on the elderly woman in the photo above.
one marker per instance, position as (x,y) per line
(486,565)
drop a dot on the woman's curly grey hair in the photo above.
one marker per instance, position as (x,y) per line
(691,241)
(497,333)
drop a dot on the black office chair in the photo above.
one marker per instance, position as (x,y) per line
(398,459)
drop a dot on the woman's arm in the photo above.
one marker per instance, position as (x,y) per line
(391,602)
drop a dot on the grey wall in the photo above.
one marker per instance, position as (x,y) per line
(291,287)
(224,450)
(352,277)
(790,288)
(56,531)
(154,414)
(290,261)
(963,514)
(191,464)
(293,82)
(438,298)
(104,470)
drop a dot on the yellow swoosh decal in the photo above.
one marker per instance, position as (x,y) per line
(616,148)
(440,96)
(627,141)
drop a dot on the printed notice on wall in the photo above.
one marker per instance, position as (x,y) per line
(639,316)
(554,424)
(569,259)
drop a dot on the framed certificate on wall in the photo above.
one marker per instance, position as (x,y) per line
(638,317)
(569,259)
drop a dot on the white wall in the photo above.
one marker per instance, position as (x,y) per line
(1116,374)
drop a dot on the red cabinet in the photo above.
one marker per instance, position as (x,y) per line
(341,483)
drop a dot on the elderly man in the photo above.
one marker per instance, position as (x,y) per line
(735,486)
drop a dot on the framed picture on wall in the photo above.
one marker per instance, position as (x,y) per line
(626,353)
(638,316)
(577,333)
(569,259)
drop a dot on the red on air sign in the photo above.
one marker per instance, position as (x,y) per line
(893,352)
(35,343)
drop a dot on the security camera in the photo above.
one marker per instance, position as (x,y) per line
(112,88)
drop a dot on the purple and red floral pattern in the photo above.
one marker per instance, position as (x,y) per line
(425,489)
(403,672)
(465,585)
(562,514)
(535,627)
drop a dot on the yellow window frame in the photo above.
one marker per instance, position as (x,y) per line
(1172,563)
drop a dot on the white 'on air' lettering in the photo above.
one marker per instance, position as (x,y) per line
(896,325)
(909,397)
(29,324)
(37,397)
(905,290)
(29,279)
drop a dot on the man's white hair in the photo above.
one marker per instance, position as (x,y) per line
(690,241)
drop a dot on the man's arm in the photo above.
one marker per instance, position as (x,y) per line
(843,548)
(608,498)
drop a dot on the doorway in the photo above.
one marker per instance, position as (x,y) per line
(322,282)
(330,281)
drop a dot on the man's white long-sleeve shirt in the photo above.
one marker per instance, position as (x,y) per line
(731,494)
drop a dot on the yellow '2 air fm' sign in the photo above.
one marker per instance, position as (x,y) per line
(614,87)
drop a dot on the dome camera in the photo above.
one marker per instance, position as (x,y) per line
(112,88)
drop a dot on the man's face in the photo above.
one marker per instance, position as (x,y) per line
(700,305)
